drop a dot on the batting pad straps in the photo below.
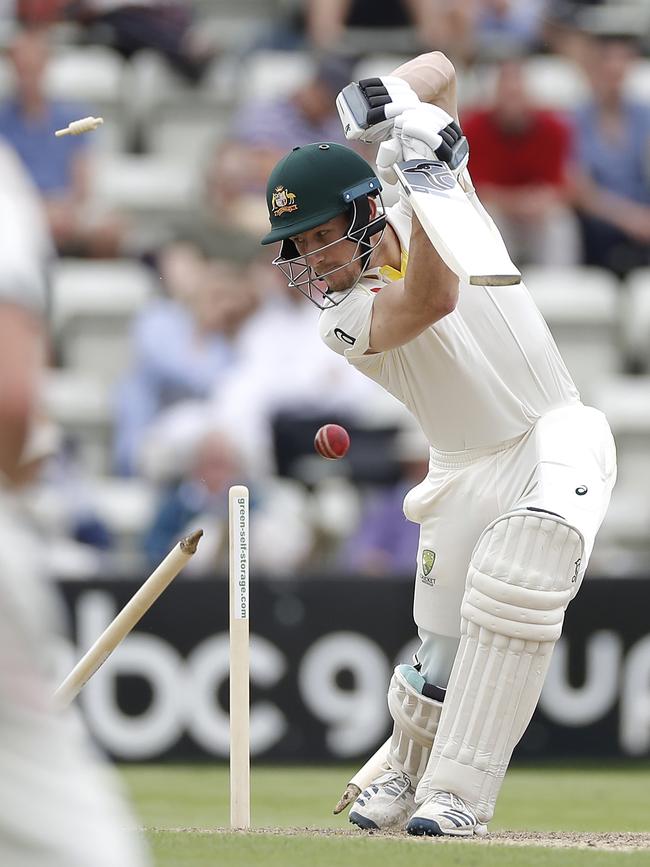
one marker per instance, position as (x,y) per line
(415,723)
(519,583)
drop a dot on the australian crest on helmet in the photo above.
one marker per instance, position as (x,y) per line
(283,201)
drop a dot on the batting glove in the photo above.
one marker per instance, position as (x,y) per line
(426,132)
(368,109)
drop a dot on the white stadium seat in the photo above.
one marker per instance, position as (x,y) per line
(6,78)
(628,517)
(624,541)
(636,321)
(126,506)
(190,133)
(81,404)
(146,186)
(93,303)
(94,75)
(98,287)
(7,23)
(271,74)
(637,86)
(625,400)
(153,83)
(555,82)
(235,25)
(582,309)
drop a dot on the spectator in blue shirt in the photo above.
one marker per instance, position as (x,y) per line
(59,167)
(181,351)
(612,175)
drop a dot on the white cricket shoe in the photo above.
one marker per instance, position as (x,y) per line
(388,801)
(445,815)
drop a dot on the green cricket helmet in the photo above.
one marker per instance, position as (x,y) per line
(310,186)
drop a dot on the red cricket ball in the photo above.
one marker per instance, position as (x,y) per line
(332,441)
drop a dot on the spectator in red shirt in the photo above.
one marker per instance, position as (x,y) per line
(519,157)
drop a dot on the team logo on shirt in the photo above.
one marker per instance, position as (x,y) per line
(428,559)
(344,336)
(282,201)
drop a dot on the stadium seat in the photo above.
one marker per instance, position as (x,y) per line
(638,84)
(93,303)
(126,506)
(555,82)
(151,187)
(7,29)
(625,400)
(153,84)
(582,309)
(636,321)
(623,542)
(190,133)
(628,517)
(81,404)
(627,18)
(271,74)
(94,75)
(236,25)
(623,545)
(6,78)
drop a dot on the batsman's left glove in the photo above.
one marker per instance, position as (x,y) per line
(368,108)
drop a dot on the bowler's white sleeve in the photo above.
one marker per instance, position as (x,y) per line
(346,327)
(25,243)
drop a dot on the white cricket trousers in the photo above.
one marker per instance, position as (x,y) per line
(565,464)
(60,805)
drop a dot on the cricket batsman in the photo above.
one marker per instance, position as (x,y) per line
(520,471)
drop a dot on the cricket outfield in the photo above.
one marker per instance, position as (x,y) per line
(552,815)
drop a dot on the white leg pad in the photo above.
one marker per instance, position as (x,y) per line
(520,581)
(415,724)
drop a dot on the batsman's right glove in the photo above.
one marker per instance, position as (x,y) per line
(425,133)
(368,109)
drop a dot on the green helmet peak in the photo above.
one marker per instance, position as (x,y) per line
(312,184)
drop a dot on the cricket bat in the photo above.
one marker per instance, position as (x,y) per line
(462,237)
(465,242)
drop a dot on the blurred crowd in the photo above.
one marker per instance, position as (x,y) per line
(225,380)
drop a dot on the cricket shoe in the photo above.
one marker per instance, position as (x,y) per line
(388,801)
(445,815)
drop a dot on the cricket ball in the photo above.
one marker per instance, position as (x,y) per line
(332,441)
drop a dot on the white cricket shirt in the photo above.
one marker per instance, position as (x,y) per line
(479,376)
(25,245)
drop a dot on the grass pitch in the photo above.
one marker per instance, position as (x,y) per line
(554,816)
